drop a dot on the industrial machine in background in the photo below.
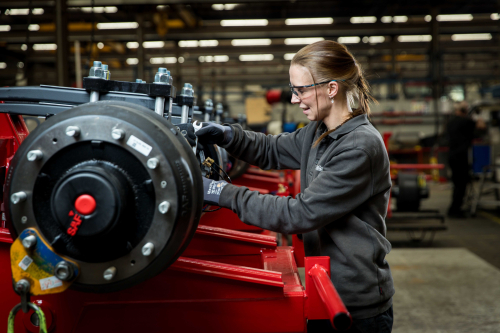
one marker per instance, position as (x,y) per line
(100,222)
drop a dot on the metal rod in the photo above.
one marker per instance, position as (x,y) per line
(184,114)
(160,105)
(78,64)
(170,102)
(94,96)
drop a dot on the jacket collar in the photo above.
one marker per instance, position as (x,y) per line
(349,126)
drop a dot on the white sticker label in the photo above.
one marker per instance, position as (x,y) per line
(50,282)
(139,145)
(25,263)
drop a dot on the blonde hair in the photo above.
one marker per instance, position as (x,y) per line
(329,60)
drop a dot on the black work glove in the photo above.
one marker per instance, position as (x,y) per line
(187,130)
(212,190)
(213,133)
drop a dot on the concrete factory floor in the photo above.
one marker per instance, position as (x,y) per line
(453,284)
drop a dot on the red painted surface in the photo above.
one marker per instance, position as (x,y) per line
(323,298)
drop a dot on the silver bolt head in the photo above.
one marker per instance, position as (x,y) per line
(187,90)
(164,207)
(148,249)
(153,163)
(34,155)
(18,197)
(118,134)
(219,108)
(73,131)
(29,242)
(23,286)
(162,78)
(163,184)
(63,271)
(97,72)
(24,219)
(109,273)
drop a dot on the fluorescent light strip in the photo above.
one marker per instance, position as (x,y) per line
(400,19)
(24,11)
(4,27)
(250,42)
(107,9)
(208,43)
(44,47)
(414,38)
(163,60)
(289,56)
(243,23)
(200,43)
(117,25)
(302,41)
(256,57)
(348,40)
(33,27)
(132,61)
(227,6)
(363,19)
(153,45)
(461,37)
(132,45)
(217,58)
(455,17)
(100,45)
(386,19)
(3,65)
(309,21)
(495,16)
(373,39)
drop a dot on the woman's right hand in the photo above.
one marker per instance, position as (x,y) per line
(213,133)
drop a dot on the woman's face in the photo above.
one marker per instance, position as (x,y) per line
(306,97)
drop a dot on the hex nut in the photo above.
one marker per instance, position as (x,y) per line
(148,249)
(153,163)
(34,155)
(109,273)
(18,197)
(29,242)
(63,271)
(73,131)
(118,134)
(164,207)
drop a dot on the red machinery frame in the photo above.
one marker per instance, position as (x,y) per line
(226,281)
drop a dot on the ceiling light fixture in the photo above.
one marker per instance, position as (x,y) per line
(309,21)
(250,42)
(363,19)
(348,40)
(4,27)
(3,65)
(289,56)
(495,16)
(302,41)
(33,27)
(454,17)
(132,45)
(373,39)
(163,60)
(400,19)
(117,25)
(132,61)
(463,37)
(243,23)
(256,57)
(44,47)
(414,38)
(153,45)
(227,6)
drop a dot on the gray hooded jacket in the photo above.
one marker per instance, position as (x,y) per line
(341,210)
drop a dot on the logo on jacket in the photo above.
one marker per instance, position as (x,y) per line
(319,168)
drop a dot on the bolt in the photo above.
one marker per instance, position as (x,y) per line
(162,70)
(139,81)
(73,131)
(35,155)
(110,273)
(209,103)
(24,219)
(148,249)
(118,134)
(219,109)
(106,73)
(153,163)
(23,286)
(29,242)
(18,197)
(63,271)
(163,207)
(163,184)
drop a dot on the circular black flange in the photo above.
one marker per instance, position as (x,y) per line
(175,179)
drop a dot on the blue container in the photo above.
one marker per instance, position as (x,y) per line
(481,156)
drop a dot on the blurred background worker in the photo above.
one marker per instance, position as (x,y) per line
(460,129)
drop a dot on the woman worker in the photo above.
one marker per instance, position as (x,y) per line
(345,182)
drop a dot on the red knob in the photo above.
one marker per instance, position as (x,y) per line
(85,204)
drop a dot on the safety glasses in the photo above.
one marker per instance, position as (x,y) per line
(298,90)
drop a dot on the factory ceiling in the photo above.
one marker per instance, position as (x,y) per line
(242,40)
